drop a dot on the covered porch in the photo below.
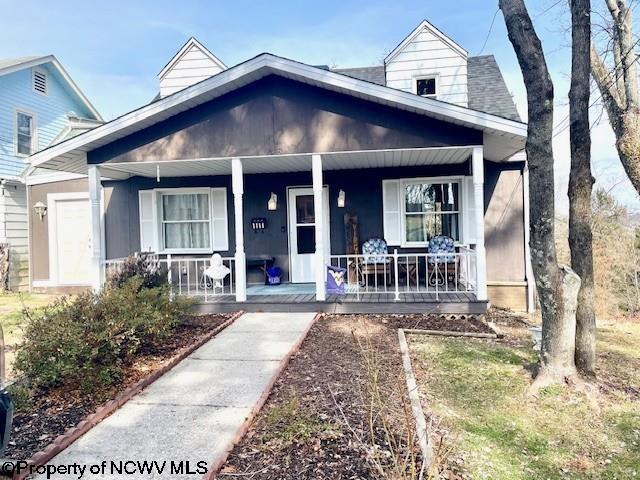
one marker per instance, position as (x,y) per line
(331,187)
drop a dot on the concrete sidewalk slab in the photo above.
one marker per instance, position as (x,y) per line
(199,408)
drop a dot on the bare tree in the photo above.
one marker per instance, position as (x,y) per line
(618,85)
(581,185)
(557,286)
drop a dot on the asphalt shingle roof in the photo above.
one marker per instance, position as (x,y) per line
(488,91)
(11,62)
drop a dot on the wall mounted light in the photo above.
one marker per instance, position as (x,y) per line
(3,184)
(272,204)
(40,209)
(341,199)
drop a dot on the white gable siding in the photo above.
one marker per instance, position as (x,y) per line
(426,54)
(192,67)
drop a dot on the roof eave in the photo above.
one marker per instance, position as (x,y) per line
(266,64)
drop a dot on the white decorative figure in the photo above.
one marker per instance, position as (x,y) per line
(216,272)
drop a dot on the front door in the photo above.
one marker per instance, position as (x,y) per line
(72,241)
(302,233)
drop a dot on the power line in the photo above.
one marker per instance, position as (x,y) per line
(612,81)
(489,32)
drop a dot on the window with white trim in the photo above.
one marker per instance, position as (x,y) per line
(186,221)
(427,87)
(430,209)
(24,133)
(183,220)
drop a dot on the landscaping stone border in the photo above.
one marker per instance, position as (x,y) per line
(446,333)
(218,463)
(61,442)
(422,431)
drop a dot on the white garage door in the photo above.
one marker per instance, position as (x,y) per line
(73,241)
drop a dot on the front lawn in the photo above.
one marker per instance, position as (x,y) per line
(12,320)
(477,393)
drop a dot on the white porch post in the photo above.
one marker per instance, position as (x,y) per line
(477,165)
(96,227)
(318,205)
(240,257)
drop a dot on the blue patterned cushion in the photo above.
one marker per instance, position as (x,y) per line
(375,251)
(442,245)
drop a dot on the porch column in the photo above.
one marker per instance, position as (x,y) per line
(477,165)
(240,257)
(318,205)
(96,227)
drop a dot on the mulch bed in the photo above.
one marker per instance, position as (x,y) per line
(315,424)
(52,414)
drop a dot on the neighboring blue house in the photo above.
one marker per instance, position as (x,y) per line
(40,105)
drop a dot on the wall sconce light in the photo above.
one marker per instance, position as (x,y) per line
(40,209)
(3,184)
(272,204)
(341,199)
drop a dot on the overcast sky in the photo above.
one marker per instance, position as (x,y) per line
(114,50)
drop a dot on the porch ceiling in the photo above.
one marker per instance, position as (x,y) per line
(290,163)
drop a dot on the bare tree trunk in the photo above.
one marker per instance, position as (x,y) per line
(557,287)
(618,87)
(581,185)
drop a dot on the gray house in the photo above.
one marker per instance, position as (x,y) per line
(407,179)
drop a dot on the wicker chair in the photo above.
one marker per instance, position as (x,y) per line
(375,262)
(443,266)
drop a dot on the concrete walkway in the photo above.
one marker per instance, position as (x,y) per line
(197,409)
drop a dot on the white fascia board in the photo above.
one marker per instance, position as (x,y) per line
(425,24)
(259,67)
(63,73)
(190,43)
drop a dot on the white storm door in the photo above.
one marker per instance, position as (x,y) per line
(72,241)
(302,233)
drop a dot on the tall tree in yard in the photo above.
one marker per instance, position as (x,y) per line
(557,286)
(581,185)
(618,85)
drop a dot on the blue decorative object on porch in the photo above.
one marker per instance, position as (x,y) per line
(375,251)
(442,244)
(274,276)
(336,277)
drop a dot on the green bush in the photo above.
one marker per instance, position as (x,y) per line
(85,341)
(142,265)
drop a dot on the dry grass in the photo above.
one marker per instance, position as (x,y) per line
(477,390)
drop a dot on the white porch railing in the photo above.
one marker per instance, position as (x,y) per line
(186,275)
(408,273)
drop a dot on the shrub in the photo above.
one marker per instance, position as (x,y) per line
(87,340)
(142,265)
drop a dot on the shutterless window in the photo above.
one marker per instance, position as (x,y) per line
(186,221)
(431,209)
(24,133)
(426,87)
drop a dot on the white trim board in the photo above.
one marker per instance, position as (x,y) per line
(70,155)
(192,42)
(34,62)
(431,28)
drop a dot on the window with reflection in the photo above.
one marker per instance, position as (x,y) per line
(431,209)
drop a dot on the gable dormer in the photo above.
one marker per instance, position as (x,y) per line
(429,63)
(192,64)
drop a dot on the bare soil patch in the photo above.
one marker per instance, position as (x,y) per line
(43,416)
(317,422)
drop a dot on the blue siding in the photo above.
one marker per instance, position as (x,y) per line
(50,111)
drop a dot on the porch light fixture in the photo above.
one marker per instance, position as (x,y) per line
(40,209)
(272,204)
(341,199)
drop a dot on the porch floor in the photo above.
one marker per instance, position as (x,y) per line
(302,298)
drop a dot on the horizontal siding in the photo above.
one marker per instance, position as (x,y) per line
(50,111)
(14,231)
(193,67)
(426,55)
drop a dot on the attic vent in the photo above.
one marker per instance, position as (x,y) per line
(40,82)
